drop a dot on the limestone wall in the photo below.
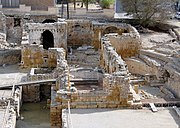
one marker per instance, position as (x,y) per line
(137,66)
(10,56)
(88,32)
(14,30)
(118,76)
(2,23)
(110,60)
(31,93)
(83,73)
(116,90)
(40,17)
(79,32)
(34,56)
(102,28)
(58,30)
(94,99)
(126,45)
(173,81)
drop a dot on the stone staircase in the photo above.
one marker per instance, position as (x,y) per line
(168,68)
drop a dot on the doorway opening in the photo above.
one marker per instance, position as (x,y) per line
(47,39)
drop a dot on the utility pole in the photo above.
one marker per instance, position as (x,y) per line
(74,4)
(87,5)
(62,8)
(67,9)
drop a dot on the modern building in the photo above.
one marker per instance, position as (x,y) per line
(29,5)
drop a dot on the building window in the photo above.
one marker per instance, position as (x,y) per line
(10,3)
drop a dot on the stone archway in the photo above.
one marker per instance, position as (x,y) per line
(111,29)
(49,21)
(47,39)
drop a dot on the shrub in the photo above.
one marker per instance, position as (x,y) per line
(106,3)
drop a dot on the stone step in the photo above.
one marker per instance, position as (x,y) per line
(157,84)
(176,63)
(173,69)
(150,60)
(139,81)
(156,55)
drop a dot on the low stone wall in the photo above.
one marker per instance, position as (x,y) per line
(95,99)
(137,66)
(173,81)
(85,74)
(126,45)
(173,86)
(10,56)
(34,56)
(31,93)
(79,32)
(110,60)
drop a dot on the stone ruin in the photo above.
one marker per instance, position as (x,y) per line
(110,89)
(121,55)
(115,91)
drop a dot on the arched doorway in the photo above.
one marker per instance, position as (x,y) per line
(47,39)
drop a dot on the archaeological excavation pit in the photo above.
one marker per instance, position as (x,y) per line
(94,65)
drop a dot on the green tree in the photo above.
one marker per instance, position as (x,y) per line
(106,3)
(148,11)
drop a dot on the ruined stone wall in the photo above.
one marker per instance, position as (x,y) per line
(14,30)
(117,81)
(84,56)
(3,43)
(31,93)
(58,30)
(85,73)
(61,83)
(137,66)
(116,91)
(173,81)
(110,60)
(79,32)
(94,99)
(127,44)
(10,56)
(36,93)
(2,23)
(100,29)
(40,18)
(34,56)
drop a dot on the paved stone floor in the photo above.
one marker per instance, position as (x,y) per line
(10,75)
(2,112)
(124,118)
(35,116)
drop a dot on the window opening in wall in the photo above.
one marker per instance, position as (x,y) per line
(17,22)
